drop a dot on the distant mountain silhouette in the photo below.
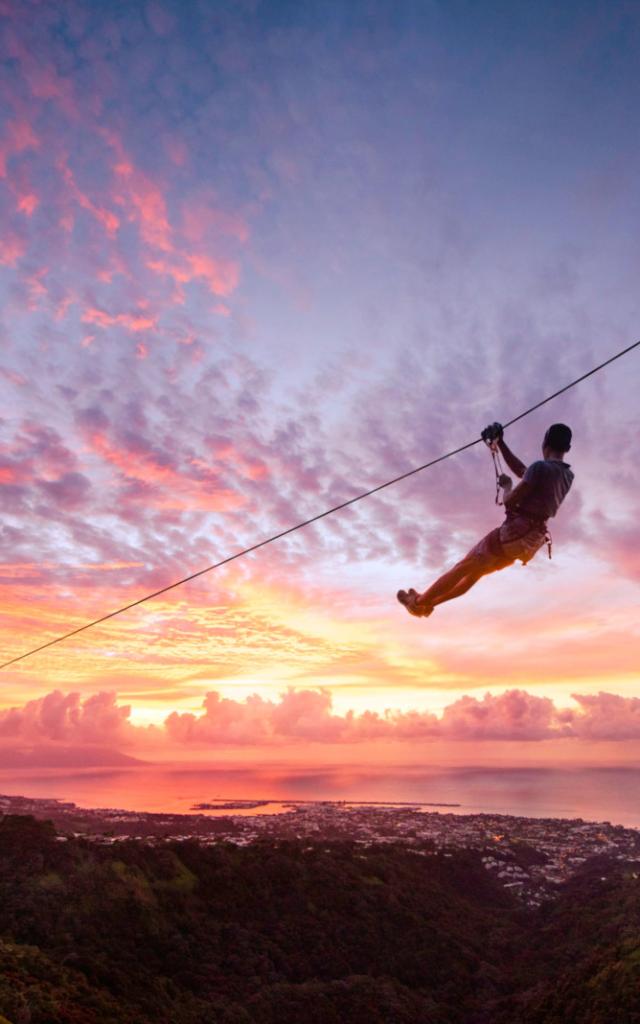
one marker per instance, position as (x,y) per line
(55,755)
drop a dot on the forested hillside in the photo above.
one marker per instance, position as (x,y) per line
(279,933)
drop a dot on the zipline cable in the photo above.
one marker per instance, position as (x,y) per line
(313,519)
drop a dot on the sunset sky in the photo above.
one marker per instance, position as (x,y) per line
(257,257)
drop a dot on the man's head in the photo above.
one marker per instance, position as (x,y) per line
(557,440)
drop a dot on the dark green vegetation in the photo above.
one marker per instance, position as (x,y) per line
(284,933)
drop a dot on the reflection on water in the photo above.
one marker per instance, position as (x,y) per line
(600,794)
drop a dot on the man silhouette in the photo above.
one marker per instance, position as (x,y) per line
(543,487)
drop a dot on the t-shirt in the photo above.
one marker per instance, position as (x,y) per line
(550,481)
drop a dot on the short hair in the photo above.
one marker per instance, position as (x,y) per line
(558,437)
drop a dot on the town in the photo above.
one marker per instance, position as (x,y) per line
(529,856)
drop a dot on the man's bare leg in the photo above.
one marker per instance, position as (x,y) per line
(452,584)
(449,582)
(465,584)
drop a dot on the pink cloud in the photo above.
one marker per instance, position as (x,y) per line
(186,252)
(19,136)
(110,566)
(307,716)
(67,718)
(148,204)
(299,715)
(37,458)
(203,220)
(514,715)
(15,472)
(134,322)
(106,217)
(604,716)
(70,491)
(41,76)
(175,486)
(9,475)
(22,570)
(13,377)
(45,447)
(225,451)
(12,248)
(137,464)
(36,287)
(220,275)
(28,203)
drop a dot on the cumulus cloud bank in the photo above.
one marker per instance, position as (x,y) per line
(307,716)
(66,718)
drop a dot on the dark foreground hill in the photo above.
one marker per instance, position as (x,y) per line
(284,933)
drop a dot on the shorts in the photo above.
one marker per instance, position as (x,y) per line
(517,538)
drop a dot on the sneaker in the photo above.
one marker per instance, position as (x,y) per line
(411,601)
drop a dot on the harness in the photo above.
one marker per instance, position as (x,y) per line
(537,521)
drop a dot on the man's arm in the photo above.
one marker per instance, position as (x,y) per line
(512,461)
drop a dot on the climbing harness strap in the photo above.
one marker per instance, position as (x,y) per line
(498,468)
(491,436)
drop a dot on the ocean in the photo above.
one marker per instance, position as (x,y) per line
(597,794)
